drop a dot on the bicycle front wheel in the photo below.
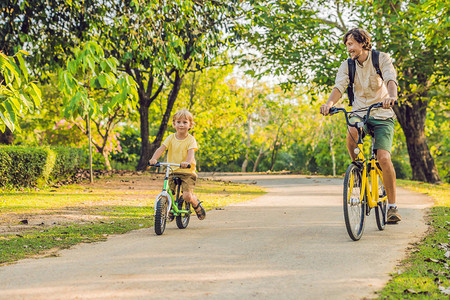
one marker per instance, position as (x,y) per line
(354,206)
(183,218)
(161,214)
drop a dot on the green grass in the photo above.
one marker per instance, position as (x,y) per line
(101,211)
(425,273)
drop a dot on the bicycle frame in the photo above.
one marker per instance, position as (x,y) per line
(166,192)
(370,188)
(370,168)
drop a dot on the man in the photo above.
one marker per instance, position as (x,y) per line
(370,88)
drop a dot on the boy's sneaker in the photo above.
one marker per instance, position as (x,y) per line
(392,216)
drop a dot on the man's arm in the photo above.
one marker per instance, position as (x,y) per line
(332,100)
(392,90)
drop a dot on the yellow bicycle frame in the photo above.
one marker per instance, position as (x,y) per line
(369,188)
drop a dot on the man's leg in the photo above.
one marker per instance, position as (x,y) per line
(384,158)
(352,139)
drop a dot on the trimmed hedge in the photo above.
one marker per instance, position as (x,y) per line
(36,166)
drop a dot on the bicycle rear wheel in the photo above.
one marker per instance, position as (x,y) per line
(161,214)
(354,206)
(381,209)
(183,218)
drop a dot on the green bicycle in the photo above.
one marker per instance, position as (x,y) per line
(168,206)
(363,184)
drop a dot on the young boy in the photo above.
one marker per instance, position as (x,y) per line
(181,147)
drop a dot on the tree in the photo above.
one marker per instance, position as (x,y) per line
(157,43)
(302,40)
(417,37)
(47,29)
(94,87)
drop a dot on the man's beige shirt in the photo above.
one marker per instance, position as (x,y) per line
(368,87)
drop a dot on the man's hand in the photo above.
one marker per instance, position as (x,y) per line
(152,161)
(389,102)
(324,109)
(184,165)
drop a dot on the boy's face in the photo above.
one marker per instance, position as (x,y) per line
(182,125)
(354,48)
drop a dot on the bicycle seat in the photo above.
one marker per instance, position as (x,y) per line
(177,180)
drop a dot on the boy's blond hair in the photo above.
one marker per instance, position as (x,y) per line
(184,113)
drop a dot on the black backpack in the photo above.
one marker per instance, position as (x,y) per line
(352,71)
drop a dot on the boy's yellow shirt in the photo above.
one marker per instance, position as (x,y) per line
(177,151)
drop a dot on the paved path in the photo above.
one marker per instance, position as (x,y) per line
(288,244)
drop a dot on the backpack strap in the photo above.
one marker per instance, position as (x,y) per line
(351,77)
(376,62)
(352,71)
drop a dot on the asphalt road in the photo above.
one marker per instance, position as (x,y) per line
(289,244)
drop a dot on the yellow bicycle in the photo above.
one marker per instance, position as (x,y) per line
(363,184)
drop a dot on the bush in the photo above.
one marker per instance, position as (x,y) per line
(5,165)
(32,166)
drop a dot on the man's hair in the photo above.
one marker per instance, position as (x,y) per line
(184,113)
(360,35)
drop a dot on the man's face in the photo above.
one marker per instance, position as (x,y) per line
(354,48)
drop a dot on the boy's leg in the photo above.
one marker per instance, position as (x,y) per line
(188,183)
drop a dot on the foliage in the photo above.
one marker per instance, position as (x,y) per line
(301,41)
(48,29)
(128,146)
(18,93)
(157,43)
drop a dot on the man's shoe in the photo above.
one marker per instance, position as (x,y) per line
(392,216)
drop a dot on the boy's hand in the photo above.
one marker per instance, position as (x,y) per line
(184,165)
(152,161)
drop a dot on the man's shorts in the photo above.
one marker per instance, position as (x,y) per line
(382,130)
(187,181)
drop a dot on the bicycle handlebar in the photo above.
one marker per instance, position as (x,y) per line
(335,110)
(158,164)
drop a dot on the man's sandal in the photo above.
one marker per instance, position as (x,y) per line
(200,214)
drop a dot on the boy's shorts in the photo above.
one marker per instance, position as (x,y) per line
(382,130)
(187,181)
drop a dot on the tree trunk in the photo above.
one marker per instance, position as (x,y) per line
(145,143)
(333,157)
(107,162)
(147,149)
(7,137)
(411,115)
(260,155)
(248,143)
